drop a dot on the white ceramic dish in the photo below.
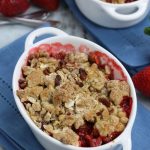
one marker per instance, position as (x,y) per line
(114,15)
(48,142)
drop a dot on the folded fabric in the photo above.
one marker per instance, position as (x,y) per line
(14,130)
(6,143)
(130,45)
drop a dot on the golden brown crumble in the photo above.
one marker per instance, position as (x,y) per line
(62,95)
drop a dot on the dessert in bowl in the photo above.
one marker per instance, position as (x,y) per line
(114,13)
(73,93)
(119,1)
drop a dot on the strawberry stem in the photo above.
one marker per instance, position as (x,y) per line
(147,31)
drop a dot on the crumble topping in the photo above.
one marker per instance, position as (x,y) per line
(118,89)
(72,99)
(67,136)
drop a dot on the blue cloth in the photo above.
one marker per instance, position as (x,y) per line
(14,132)
(130,45)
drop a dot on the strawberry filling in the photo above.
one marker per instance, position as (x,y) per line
(126,105)
(102,60)
(126,1)
(56,50)
(59,51)
(90,137)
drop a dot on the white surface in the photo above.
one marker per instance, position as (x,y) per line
(69,24)
(9,33)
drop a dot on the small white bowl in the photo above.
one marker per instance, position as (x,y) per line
(114,15)
(48,142)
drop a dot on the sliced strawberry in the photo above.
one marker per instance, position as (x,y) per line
(84,49)
(69,48)
(12,8)
(94,58)
(56,47)
(93,142)
(45,47)
(49,5)
(126,105)
(112,136)
(89,136)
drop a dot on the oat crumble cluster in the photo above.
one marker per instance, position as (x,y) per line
(73,99)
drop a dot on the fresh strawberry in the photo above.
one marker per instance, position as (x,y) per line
(49,5)
(0,6)
(12,8)
(142,81)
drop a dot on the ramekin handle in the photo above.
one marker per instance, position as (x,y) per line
(126,142)
(42,31)
(140,9)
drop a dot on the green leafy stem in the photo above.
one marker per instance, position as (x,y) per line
(147,31)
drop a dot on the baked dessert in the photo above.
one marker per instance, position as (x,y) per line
(73,95)
(119,1)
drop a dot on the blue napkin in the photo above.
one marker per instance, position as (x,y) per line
(14,132)
(130,45)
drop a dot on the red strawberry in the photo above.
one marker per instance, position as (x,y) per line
(49,5)
(142,81)
(12,8)
(0,6)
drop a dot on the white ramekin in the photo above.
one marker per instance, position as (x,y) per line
(48,142)
(114,15)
